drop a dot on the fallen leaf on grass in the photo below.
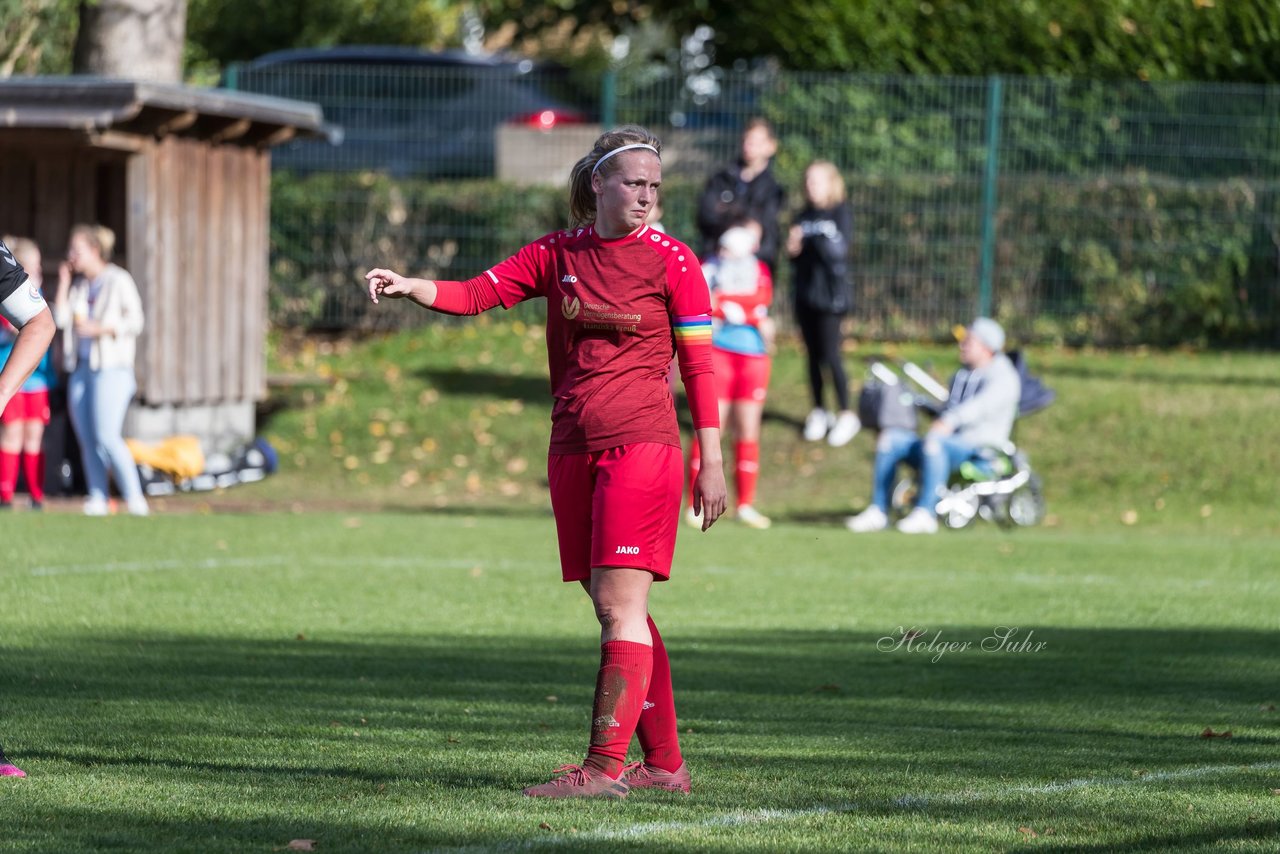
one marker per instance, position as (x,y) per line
(1209,733)
(453,740)
(1275,792)
(545,826)
(301,845)
(1267,708)
(1028,831)
(552,698)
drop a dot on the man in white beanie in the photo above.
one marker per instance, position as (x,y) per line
(979,413)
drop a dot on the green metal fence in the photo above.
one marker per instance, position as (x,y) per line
(1105,212)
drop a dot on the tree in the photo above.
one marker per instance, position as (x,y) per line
(36,36)
(140,39)
(1210,40)
(219,35)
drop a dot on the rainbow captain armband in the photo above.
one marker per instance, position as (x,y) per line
(695,329)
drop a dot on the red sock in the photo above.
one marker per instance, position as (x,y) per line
(657,728)
(620,691)
(8,475)
(746,471)
(695,466)
(33,468)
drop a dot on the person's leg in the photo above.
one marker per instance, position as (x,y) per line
(115,389)
(80,403)
(894,447)
(663,766)
(10,453)
(833,357)
(941,455)
(746,416)
(811,334)
(33,459)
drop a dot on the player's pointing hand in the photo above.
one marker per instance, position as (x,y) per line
(387,283)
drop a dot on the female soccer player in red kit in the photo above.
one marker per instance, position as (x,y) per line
(621,298)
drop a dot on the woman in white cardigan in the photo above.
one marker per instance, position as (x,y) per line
(100,313)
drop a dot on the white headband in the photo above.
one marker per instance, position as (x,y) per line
(622,148)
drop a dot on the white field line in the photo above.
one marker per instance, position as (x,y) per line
(911,802)
(179,564)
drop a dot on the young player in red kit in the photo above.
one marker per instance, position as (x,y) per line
(621,298)
(22,305)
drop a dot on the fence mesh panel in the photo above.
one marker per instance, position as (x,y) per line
(1123,211)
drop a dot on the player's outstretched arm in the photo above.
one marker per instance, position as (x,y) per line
(710,495)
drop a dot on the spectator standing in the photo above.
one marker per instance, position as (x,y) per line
(622,297)
(980,410)
(100,312)
(742,191)
(741,339)
(23,420)
(819,246)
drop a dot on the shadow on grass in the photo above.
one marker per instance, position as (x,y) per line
(1129,374)
(533,388)
(459,712)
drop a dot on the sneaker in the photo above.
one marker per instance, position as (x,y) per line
(816,425)
(9,770)
(37,506)
(576,781)
(844,429)
(871,519)
(139,507)
(753,518)
(693,520)
(96,507)
(640,775)
(919,521)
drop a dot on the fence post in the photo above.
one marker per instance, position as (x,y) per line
(609,99)
(995,92)
(232,77)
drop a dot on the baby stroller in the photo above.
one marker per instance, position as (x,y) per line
(999,485)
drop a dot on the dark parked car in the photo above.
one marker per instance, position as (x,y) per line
(407,111)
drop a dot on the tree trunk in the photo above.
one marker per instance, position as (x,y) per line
(137,39)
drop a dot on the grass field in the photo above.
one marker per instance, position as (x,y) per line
(386,675)
(388,682)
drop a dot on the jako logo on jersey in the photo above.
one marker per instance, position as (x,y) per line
(570,307)
(569,278)
(628,550)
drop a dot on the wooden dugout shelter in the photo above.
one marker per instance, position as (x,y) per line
(182,175)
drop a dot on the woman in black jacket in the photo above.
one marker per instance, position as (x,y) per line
(746,190)
(819,248)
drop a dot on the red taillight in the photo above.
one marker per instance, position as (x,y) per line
(548,119)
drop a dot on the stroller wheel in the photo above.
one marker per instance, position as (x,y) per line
(1026,503)
(903,497)
(959,512)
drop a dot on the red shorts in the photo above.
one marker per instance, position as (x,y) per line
(740,377)
(27,406)
(617,507)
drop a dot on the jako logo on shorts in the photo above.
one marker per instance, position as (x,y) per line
(628,550)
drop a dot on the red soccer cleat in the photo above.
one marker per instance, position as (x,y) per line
(575,781)
(642,776)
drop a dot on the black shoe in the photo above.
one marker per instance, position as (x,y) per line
(6,505)
(37,506)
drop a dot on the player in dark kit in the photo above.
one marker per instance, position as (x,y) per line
(621,299)
(24,307)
